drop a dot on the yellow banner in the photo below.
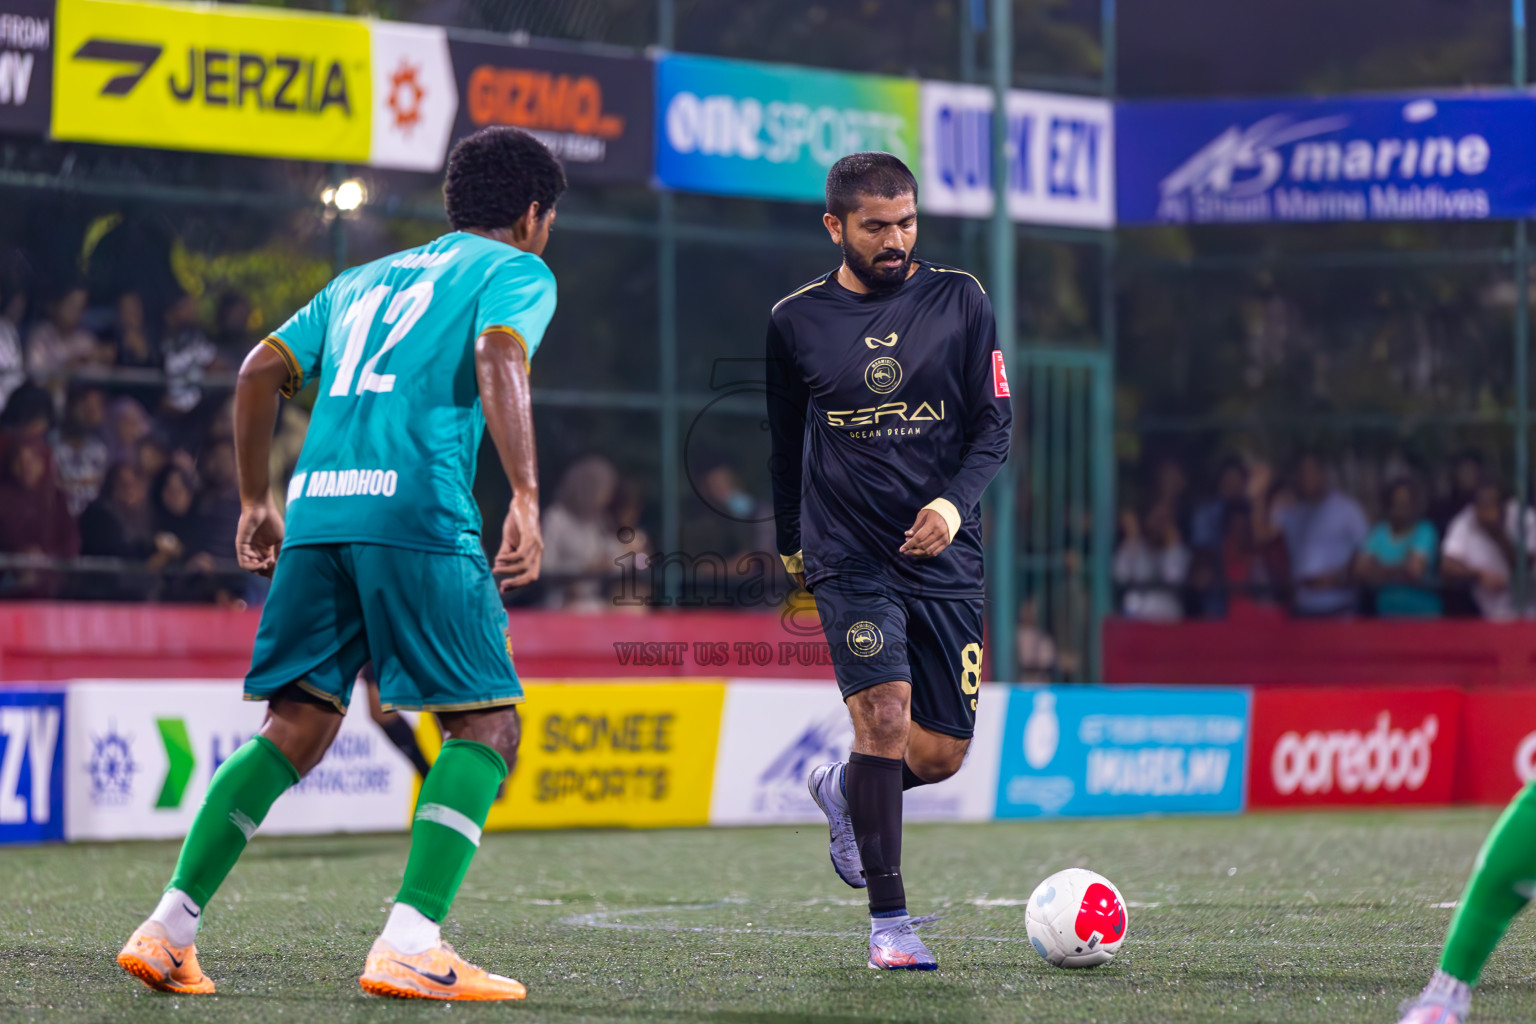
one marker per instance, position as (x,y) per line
(601,754)
(218,79)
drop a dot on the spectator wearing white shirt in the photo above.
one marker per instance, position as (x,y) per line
(1152,564)
(57,345)
(13,367)
(1480,549)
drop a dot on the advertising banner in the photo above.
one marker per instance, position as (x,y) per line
(26,66)
(140,755)
(31,765)
(1087,750)
(1315,747)
(592,111)
(1498,754)
(772,131)
(217,79)
(1061,155)
(605,754)
(773,734)
(1438,157)
(414,96)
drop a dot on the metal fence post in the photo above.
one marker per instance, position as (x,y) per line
(1004,562)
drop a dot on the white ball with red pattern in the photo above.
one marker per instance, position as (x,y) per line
(1076,918)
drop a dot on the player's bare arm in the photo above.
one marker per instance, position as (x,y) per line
(502,371)
(259,537)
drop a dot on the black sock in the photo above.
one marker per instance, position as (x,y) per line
(909,779)
(399,732)
(874,804)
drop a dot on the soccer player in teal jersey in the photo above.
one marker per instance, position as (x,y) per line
(415,355)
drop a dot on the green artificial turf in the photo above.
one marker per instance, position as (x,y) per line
(1269,918)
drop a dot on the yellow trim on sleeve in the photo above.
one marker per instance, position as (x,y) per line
(951,515)
(295,371)
(794,562)
(798,291)
(516,336)
(952,270)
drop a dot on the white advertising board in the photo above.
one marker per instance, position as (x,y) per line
(772,734)
(139,755)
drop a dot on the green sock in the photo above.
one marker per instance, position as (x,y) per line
(243,790)
(1500,887)
(455,798)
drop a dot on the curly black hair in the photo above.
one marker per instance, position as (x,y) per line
(493,176)
(867,174)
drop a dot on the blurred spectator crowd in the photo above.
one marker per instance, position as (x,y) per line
(116,454)
(1261,543)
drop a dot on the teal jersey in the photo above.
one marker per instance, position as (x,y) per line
(392,444)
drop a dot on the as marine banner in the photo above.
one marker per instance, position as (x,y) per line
(210,78)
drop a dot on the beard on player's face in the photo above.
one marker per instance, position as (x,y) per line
(883,271)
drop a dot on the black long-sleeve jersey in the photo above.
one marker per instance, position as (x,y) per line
(878,405)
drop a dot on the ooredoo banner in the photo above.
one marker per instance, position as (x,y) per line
(773,131)
(774,733)
(1316,747)
(1499,755)
(1072,751)
(140,756)
(604,754)
(592,110)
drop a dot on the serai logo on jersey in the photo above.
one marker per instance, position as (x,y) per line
(865,639)
(886,342)
(883,375)
(900,412)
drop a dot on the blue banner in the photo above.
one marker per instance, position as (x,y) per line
(1470,156)
(31,765)
(1087,750)
(771,131)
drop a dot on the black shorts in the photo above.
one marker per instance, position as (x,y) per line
(881,636)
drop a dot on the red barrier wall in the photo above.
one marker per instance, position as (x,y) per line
(1288,653)
(43,641)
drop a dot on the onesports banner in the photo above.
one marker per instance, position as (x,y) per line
(1315,746)
(140,755)
(774,733)
(1469,156)
(1090,750)
(1061,155)
(26,65)
(219,79)
(605,754)
(31,764)
(772,131)
(593,111)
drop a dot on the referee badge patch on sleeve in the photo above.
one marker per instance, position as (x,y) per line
(999,376)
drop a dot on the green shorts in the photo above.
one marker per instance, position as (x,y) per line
(432,624)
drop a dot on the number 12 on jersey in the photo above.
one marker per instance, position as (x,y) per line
(403,311)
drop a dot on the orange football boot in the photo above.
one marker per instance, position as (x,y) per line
(439,973)
(150,957)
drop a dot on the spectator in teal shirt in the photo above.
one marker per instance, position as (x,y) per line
(1398,558)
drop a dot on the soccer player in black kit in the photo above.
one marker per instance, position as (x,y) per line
(889,410)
